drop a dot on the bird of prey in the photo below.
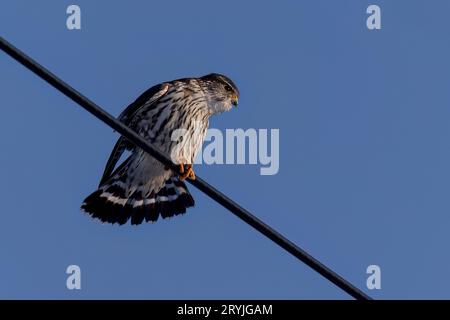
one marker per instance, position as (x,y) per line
(172,116)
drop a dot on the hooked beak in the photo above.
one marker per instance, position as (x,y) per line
(234,100)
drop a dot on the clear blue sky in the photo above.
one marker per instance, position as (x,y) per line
(364,148)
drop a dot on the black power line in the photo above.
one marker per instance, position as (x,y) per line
(198,182)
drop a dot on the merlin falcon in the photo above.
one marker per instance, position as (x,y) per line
(172,116)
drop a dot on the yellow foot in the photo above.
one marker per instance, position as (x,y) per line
(186,171)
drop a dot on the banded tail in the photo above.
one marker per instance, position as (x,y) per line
(113,203)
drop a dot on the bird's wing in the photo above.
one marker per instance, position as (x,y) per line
(119,148)
(145,100)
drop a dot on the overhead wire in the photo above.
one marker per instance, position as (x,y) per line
(199,183)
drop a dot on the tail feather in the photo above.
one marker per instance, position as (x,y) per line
(111,203)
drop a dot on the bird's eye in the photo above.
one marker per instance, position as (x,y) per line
(228,88)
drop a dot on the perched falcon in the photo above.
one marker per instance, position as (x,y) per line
(172,116)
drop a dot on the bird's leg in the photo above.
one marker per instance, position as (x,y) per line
(191,172)
(186,171)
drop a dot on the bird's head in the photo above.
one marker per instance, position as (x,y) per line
(221,93)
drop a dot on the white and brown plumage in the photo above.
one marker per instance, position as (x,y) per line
(173,117)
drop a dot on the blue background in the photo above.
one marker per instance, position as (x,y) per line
(364,148)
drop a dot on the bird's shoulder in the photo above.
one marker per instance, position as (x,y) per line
(159,93)
(148,98)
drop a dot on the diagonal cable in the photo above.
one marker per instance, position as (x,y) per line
(199,183)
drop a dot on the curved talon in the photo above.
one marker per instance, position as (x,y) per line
(191,174)
(187,172)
